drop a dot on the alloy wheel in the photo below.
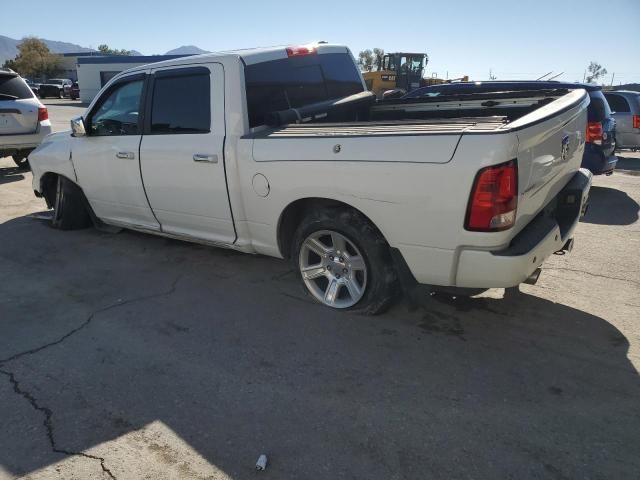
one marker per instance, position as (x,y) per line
(333,269)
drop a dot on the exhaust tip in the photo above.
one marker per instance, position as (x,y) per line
(533,278)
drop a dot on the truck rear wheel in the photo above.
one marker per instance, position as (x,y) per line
(69,207)
(344,262)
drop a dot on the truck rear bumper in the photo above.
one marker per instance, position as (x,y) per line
(549,232)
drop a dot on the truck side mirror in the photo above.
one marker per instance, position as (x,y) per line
(77,127)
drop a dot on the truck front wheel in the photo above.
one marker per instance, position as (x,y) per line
(344,261)
(69,207)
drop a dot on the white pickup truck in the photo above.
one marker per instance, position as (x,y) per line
(282,152)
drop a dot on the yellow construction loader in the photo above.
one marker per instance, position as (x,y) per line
(401,70)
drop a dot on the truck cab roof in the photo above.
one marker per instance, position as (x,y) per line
(249,56)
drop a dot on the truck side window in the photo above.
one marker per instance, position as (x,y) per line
(118,113)
(181,104)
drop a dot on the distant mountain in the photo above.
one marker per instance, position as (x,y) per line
(9,47)
(135,52)
(187,50)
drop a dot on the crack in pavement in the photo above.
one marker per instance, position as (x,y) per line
(593,274)
(48,413)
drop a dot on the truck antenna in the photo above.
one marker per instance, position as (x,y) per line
(546,74)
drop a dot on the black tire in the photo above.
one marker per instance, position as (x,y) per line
(382,286)
(60,93)
(21,162)
(70,209)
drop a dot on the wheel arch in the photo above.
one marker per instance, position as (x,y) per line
(295,211)
(48,185)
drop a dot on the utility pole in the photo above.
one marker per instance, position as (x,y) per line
(612,77)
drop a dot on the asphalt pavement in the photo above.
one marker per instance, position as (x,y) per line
(131,356)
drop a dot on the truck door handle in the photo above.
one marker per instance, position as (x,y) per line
(202,157)
(126,155)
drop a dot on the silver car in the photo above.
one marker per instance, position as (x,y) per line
(625,105)
(24,120)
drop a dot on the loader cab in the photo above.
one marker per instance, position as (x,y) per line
(408,67)
(397,70)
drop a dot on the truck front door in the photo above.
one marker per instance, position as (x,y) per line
(106,159)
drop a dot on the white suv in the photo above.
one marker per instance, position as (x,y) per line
(24,120)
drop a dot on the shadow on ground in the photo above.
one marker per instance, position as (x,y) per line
(628,163)
(610,206)
(11,174)
(227,351)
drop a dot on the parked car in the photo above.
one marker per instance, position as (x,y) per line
(600,134)
(24,121)
(625,105)
(55,87)
(74,92)
(33,86)
(302,163)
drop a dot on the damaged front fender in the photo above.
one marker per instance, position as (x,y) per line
(52,156)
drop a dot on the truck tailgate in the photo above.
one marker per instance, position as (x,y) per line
(551,142)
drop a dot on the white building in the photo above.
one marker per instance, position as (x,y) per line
(95,72)
(69,63)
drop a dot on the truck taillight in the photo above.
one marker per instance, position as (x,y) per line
(301,51)
(594,133)
(494,199)
(43,114)
(636,121)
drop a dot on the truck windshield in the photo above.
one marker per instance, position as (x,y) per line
(299,81)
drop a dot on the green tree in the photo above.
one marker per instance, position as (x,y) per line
(9,64)
(106,50)
(370,59)
(378,53)
(365,60)
(34,59)
(594,72)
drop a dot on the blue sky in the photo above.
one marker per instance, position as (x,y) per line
(515,39)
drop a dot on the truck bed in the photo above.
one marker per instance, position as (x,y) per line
(412,177)
(361,115)
(386,128)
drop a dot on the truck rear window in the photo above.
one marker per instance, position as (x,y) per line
(298,81)
(14,87)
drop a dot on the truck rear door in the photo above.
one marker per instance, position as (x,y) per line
(18,107)
(182,152)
